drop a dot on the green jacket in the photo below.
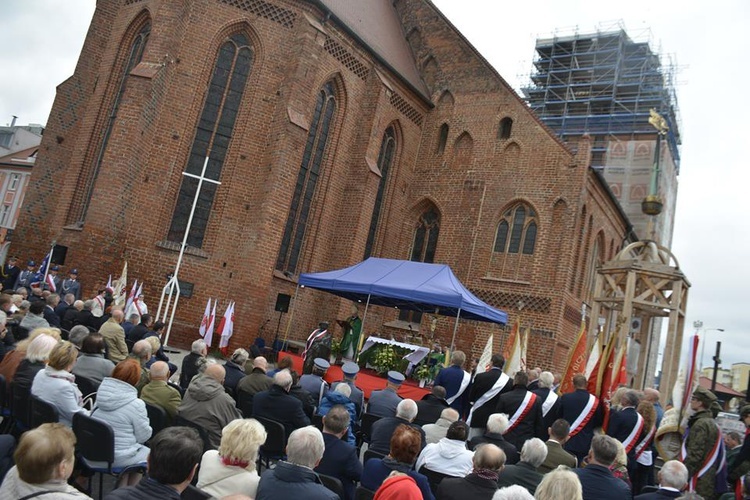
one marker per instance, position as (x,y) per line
(702,435)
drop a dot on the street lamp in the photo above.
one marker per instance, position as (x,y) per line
(698,326)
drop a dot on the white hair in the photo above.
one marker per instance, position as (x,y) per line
(40,348)
(449,414)
(305,446)
(515,492)
(673,474)
(283,378)
(198,346)
(497,423)
(546,379)
(534,452)
(407,409)
(240,356)
(343,389)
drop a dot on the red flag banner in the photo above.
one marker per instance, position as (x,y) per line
(509,346)
(577,359)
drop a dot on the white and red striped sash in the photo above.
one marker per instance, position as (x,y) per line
(716,454)
(588,411)
(632,438)
(315,335)
(645,442)
(523,409)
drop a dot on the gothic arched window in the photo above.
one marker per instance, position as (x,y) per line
(212,136)
(516,231)
(307,178)
(135,54)
(385,160)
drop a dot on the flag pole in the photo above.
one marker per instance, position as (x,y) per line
(455,329)
(49,263)
(362,329)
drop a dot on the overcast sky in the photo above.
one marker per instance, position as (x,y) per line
(41,40)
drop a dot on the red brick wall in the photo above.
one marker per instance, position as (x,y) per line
(470,185)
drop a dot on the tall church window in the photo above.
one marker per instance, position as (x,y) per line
(212,137)
(424,245)
(516,231)
(385,160)
(134,56)
(307,179)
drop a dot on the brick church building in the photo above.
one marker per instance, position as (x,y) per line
(338,130)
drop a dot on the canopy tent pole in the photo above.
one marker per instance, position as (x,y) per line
(291,316)
(455,329)
(362,329)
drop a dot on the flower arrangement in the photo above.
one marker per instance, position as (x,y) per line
(385,359)
(423,372)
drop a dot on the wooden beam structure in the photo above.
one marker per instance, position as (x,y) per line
(643,281)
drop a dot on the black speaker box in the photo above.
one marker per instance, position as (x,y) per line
(282,302)
(59,252)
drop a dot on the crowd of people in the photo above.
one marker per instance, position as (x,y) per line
(479,433)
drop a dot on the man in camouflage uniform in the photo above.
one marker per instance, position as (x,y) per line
(702,438)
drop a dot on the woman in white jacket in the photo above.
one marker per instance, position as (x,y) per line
(56,385)
(118,405)
(231,469)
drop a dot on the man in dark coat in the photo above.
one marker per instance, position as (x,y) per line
(340,458)
(295,477)
(550,400)
(382,430)
(257,381)
(10,272)
(276,404)
(49,310)
(456,381)
(524,473)
(584,414)
(673,478)
(525,411)
(481,484)
(626,425)
(431,406)
(486,391)
(596,479)
(85,317)
(740,465)
(198,350)
(496,426)
(235,367)
(65,303)
(139,331)
(175,455)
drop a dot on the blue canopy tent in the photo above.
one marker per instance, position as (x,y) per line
(406,285)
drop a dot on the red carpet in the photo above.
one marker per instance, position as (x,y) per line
(367,380)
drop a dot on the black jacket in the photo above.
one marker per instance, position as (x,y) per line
(52,318)
(530,426)
(523,473)
(147,489)
(189,369)
(471,486)
(340,461)
(429,409)
(138,332)
(483,382)
(511,452)
(383,429)
(276,404)
(621,424)
(598,482)
(543,393)
(571,406)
